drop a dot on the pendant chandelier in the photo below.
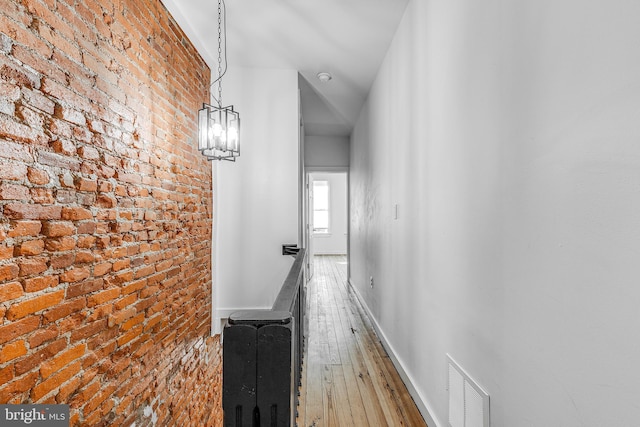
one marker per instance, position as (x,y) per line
(218,126)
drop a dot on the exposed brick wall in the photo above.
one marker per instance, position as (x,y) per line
(105,215)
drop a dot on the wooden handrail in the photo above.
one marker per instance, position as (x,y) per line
(286,296)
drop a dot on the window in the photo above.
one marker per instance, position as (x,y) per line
(320,206)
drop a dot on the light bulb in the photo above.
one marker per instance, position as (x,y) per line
(217,129)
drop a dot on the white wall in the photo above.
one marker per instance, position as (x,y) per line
(326,151)
(334,242)
(515,162)
(256,198)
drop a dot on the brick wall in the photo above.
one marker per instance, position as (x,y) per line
(105,215)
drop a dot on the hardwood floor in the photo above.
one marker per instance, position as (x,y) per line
(348,378)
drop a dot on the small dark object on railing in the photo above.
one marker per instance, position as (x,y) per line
(290,249)
(262,358)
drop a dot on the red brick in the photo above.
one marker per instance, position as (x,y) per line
(6,374)
(58,161)
(66,196)
(85,257)
(153,321)
(96,400)
(122,277)
(8,272)
(165,265)
(42,336)
(28,211)
(101,269)
(114,253)
(145,271)
(60,244)
(12,351)
(38,176)
(65,309)
(12,150)
(85,116)
(76,214)
(20,385)
(43,196)
(83,184)
(10,291)
(87,199)
(55,381)
(70,115)
(84,288)
(87,227)
(86,394)
(82,135)
(106,201)
(25,228)
(129,336)
(18,328)
(87,152)
(36,99)
(125,302)
(105,186)
(88,330)
(130,178)
(66,180)
(24,308)
(67,390)
(121,264)
(14,192)
(63,260)
(133,321)
(6,252)
(9,91)
(103,297)
(61,360)
(13,172)
(30,248)
(58,228)
(121,316)
(37,358)
(9,128)
(61,92)
(134,286)
(31,266)
(40,283)
(75,274)
(37,62)
(64,146)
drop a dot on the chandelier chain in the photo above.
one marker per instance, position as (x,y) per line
(220,52)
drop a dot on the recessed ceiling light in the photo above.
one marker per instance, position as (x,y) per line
(324,77)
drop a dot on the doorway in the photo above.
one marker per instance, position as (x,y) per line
(327,219)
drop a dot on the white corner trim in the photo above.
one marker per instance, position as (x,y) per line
(423,406)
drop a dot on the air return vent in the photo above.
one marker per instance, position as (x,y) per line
(468,402)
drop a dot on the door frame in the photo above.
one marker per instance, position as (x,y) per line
(307,226)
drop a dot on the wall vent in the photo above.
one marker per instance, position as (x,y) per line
(468,402)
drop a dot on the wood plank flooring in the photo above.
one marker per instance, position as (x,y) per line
(348,378)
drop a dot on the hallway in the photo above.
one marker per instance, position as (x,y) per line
(348,378)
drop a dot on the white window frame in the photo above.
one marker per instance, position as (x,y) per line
(323,231)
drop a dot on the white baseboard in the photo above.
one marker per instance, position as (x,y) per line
(424,408)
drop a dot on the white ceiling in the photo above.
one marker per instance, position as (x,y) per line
(347,38)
